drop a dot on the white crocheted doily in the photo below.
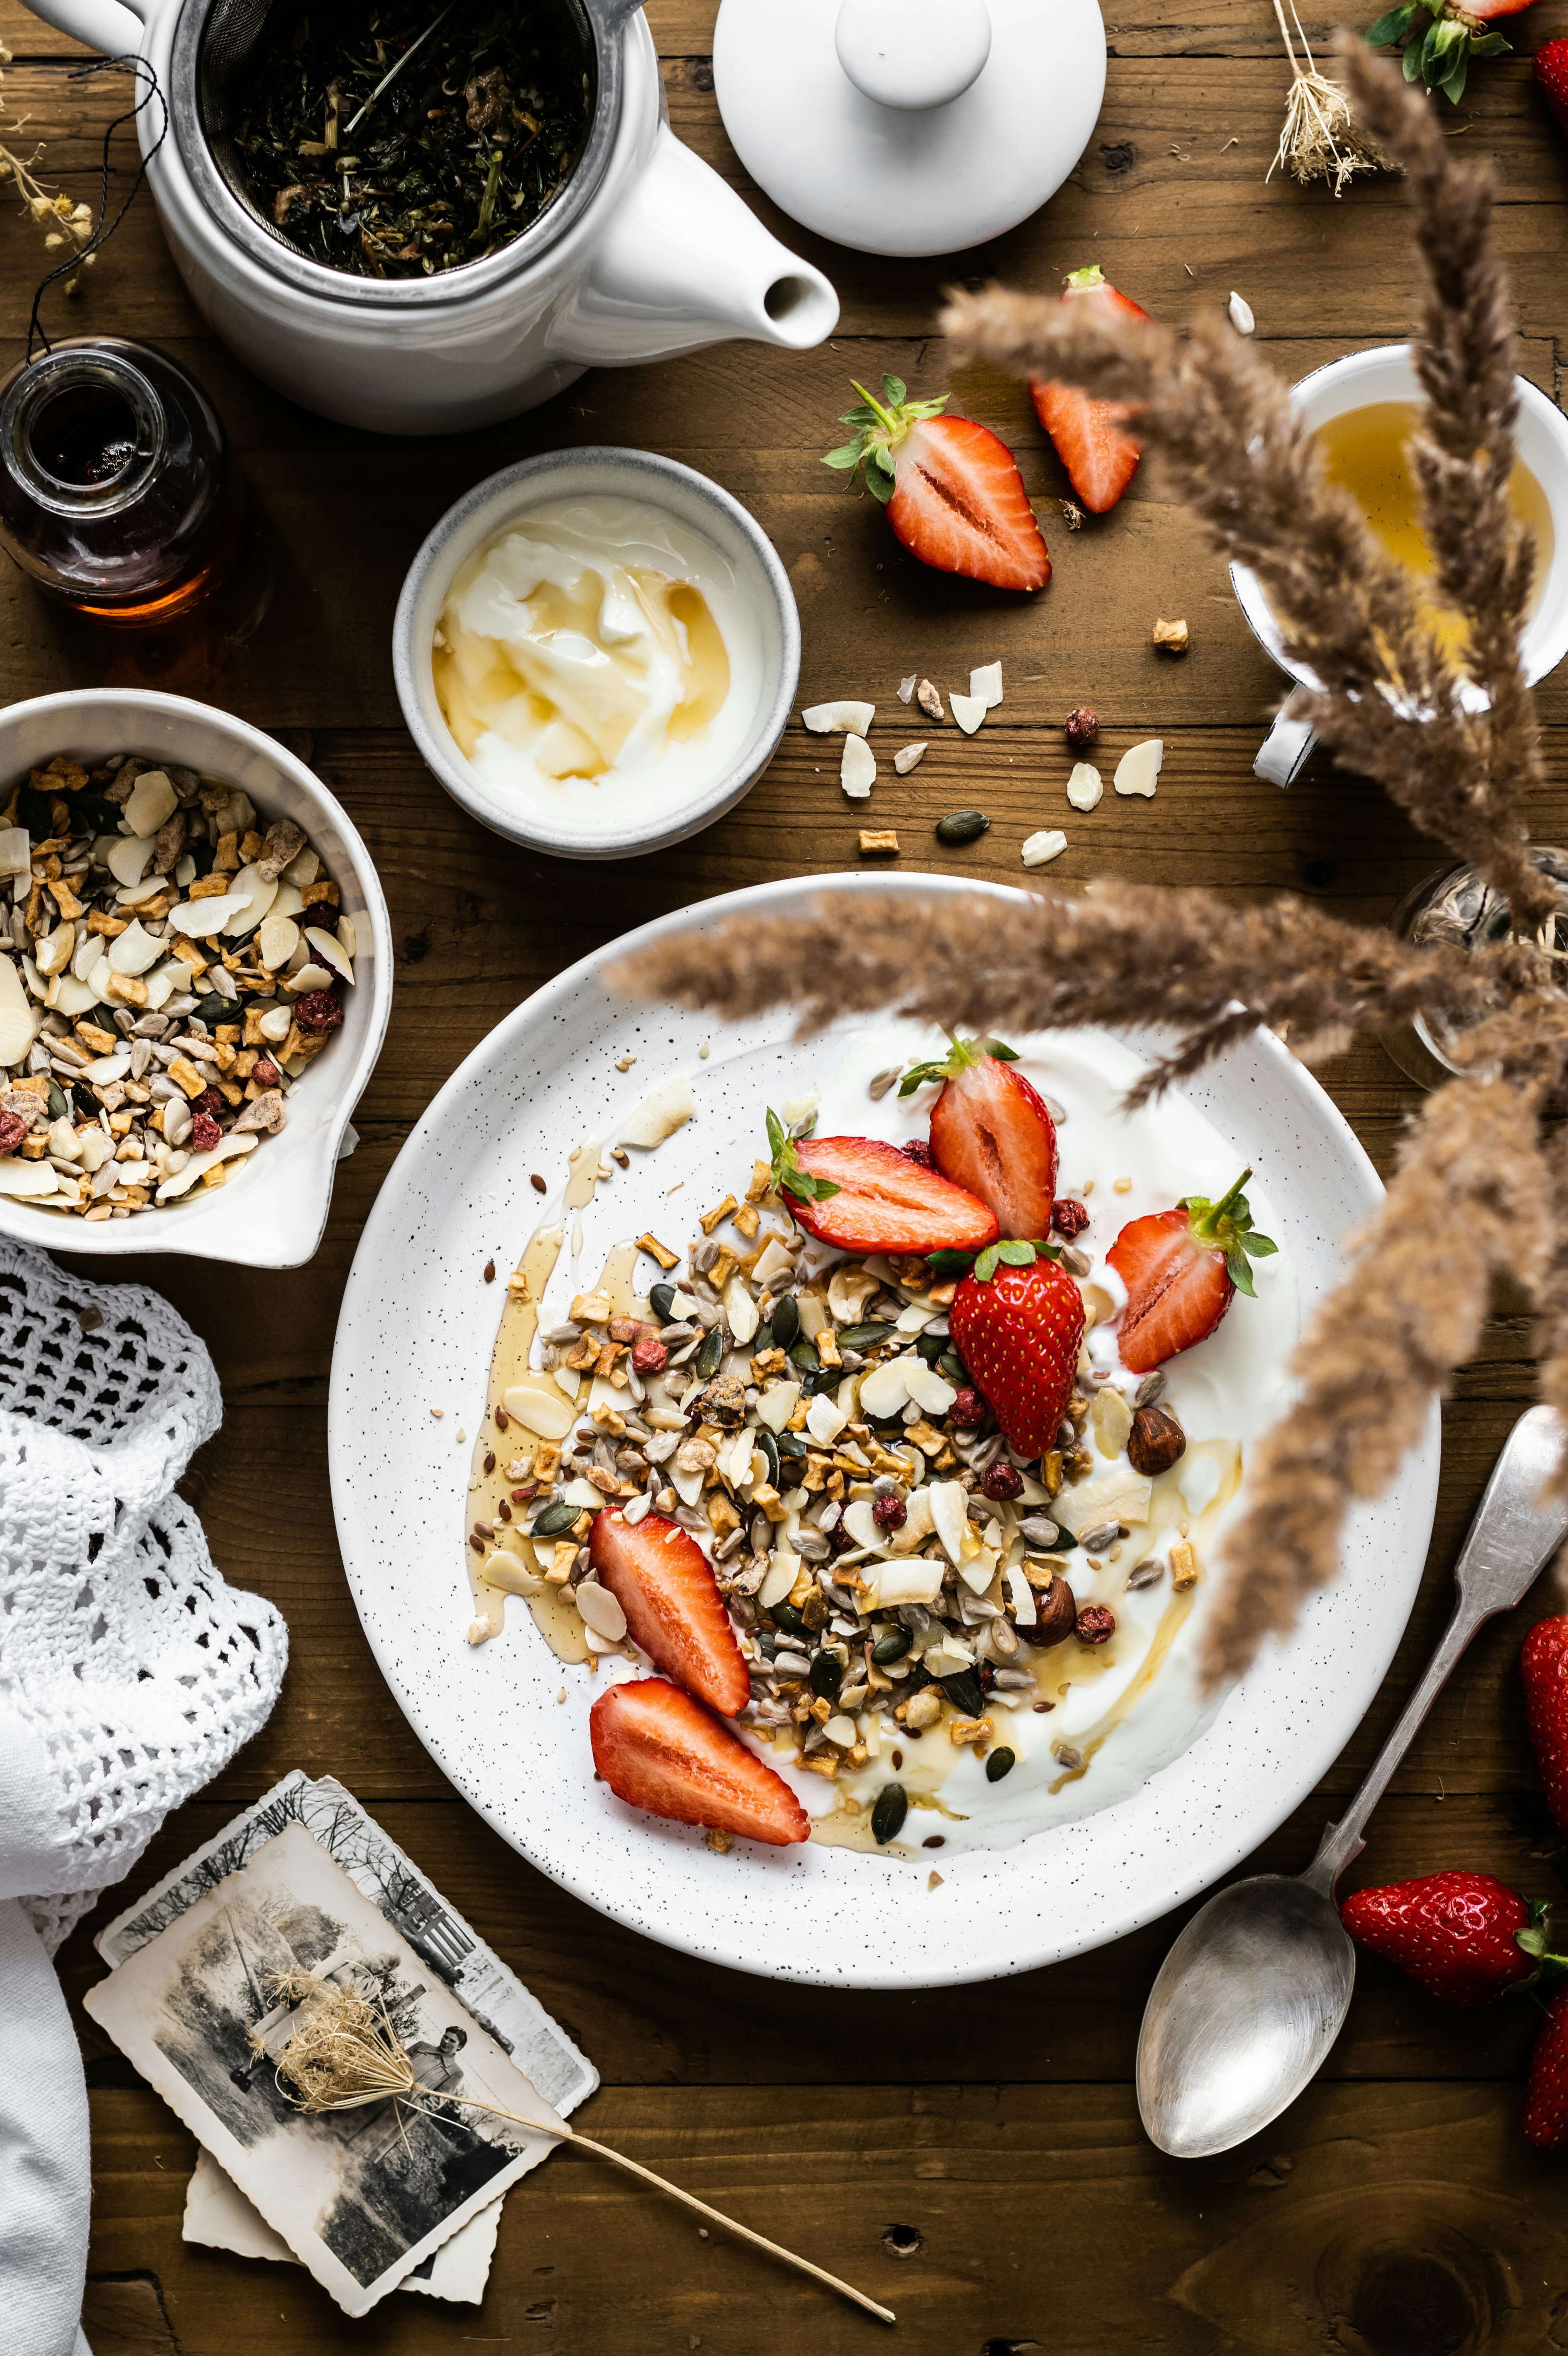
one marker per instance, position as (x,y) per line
(129,1672)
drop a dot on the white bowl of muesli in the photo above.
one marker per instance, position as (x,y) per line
(194,978)
(802,1469)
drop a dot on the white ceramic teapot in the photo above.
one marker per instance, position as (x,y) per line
(646,253)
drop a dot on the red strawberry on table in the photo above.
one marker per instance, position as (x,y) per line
(1181,1268)
(1552,78)
(1017,1319)
(990,1133)
(863,1195)
(663,1582)
(1454,1935)
(1100,459)
(659,1749)
(951,489)
(1543,1665)
(1546,2089)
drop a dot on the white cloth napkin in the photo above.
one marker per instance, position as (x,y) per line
(129,1674)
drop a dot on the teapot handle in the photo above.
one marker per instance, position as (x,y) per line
(112,27)
(685,263)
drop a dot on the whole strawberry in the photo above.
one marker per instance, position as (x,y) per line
(1454,1935)
(1552,75)
(1543,1665)
(1546,2090)
(1017,1319)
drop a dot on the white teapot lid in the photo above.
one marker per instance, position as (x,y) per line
(910,126)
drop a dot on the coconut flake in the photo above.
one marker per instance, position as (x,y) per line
(1084,787)
(836,719)
(906,687)
(857,770)
(986,685)
(1049,843)
(1138,769)
(968,711)
(661,1112)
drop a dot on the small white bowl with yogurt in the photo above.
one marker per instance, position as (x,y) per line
(596,652)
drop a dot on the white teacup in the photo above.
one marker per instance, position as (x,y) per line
(1388,373)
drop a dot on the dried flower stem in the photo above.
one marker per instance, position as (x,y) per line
(344,2054)
(63,222)
(1320,138)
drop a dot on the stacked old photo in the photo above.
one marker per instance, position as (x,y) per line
(204,1997)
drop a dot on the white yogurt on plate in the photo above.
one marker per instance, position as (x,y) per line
(598,657)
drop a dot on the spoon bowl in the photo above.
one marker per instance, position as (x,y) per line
(1246,2006)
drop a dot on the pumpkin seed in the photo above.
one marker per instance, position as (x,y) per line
(803,1356)
(892,1647)
(826,1675)
(888,1815)
(790,1443)
(931,1347)
(951,1365)
(706,1363)
(962,826)
(1000,1763)
(764,1439)
(554,1519)
(785,1323)
(863,1337)
(788,1618)
(964,1692)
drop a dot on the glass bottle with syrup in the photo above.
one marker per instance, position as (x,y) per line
(118,495)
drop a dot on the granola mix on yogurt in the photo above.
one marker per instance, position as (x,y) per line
(171,961)
(867,1475)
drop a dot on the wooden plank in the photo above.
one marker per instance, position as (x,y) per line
(1044,2216)
(648,2016)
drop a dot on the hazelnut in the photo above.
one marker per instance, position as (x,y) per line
(1156,1441)
(1083,727)
(1096,1624)
(1055,1613)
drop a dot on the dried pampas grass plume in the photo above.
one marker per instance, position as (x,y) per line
(344,2055)
(1476,1188)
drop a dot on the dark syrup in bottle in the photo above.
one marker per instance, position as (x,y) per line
(118,495)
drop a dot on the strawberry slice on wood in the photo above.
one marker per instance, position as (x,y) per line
(990,1131)
(864,1196)
(1017,1319)
(1100,459)
(952,488)
(659,1749)
(664,1583)
(1182,1268)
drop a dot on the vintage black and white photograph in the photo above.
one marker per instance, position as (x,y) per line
(207,2009)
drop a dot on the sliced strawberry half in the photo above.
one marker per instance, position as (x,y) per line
(663,1582)
(952,488)
(659,1749)
(1181,1268)
(990,1133)
(1100,459)
(864,1196)
(1017,1319)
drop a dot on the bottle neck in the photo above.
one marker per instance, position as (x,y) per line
(82,433)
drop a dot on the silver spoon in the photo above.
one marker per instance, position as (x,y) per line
(1255,1990)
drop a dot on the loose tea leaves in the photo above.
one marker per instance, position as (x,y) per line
(465,123)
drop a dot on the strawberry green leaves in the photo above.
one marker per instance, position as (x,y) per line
(1440,40)
(958,1059)
(1006,1254)
(789,1178)
(881,427)
(1228,1224)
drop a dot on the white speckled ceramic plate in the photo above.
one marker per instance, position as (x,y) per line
(417,1331)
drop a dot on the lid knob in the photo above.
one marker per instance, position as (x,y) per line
(912,54)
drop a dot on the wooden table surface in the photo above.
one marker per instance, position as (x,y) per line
(1394,2210)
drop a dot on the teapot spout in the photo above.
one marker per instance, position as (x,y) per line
(685,264)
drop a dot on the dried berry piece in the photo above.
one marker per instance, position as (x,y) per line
(266,1074)
(968,1410)
(649,1354)
(1156,1441)
(318,1010)
(1001,1480)
(205,1132)
(1083,726)
(13,1129)
(209,1102)
(918,1151)
(1068,1217)
(1096,1623)
(889,1513)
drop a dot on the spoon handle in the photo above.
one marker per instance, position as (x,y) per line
(1512,1538)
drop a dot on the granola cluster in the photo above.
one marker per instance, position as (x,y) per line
(892,1569)
(170,963)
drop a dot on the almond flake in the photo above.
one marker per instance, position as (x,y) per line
(1049,843)
(1138,769)
(839,719)
(968,711)
(1241,317)
(986,685)
(906,687)
(1084,787)
(857,770)
(908,759)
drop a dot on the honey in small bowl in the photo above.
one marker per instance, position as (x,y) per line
(1364,452)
